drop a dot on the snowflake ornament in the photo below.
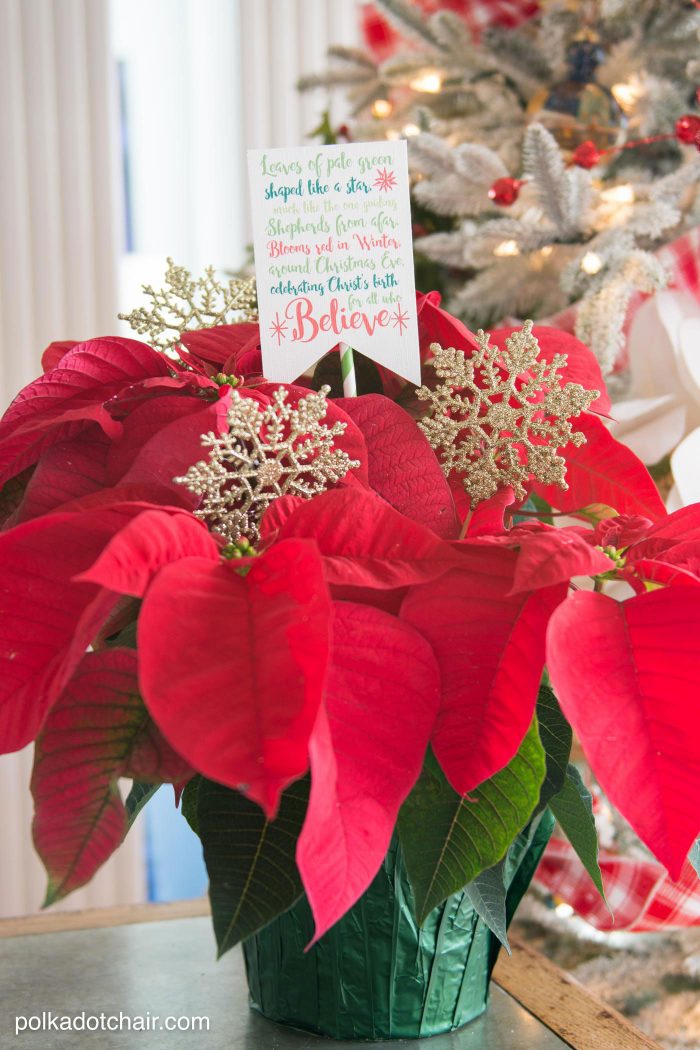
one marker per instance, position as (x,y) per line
(186,304)
(499,416)
(268,451)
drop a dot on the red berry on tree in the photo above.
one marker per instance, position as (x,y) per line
(687,128)
(586,155)
(505,191)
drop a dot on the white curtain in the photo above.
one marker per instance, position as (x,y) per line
(282,39)
(59,210)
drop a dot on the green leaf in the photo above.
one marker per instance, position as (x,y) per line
(190,801)
(253,875)
(487,895)
(448,840)
(324,131)
(126,639)
(573,808)
(496,892)
(541,506)
(12,493)
(694,857)
(140,794)
(556,737)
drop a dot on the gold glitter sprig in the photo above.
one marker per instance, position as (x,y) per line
(186,304)
(267,452)
(499,416)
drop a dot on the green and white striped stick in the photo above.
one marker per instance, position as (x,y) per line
(347,370)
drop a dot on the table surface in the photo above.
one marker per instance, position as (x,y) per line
(168,968)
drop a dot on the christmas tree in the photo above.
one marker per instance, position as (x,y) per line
(552,153)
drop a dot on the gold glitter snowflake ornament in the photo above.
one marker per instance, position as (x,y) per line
(186,304)
(499,416)
(267,452)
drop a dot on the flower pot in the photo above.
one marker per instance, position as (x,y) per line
(375,974)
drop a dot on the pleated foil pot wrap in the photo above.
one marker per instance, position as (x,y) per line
(376,974)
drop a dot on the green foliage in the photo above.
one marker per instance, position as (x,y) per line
(487,895)
(573,809)
(12,492)
(252,871)
(190,801)
(140,794)
(324,131)
(556,737)
(448,840)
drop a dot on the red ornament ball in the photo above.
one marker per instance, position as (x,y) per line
(687,127)
(586,155)
(506,191)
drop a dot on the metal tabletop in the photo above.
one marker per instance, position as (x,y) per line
(169,970)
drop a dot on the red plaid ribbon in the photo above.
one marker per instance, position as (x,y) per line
(640,894)
(383,40)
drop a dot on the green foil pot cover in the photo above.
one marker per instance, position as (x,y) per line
(376,974)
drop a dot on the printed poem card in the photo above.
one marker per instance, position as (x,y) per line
(334,256)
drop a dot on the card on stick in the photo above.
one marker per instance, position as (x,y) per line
(334,256)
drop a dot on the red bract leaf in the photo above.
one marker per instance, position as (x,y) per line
(581,367)
(620,531)
(681,527)
(160,442)
(97,732)
(56,406)
(402,466)
(489,646)
(628,679)
(46,620)
(685,556)
(148,543)
(663,573)
(66,471)
(604,471)
(553,556)
(230,347)
(233,668)
(185,385)
(55,352)
(437,326)
(364,541)
(488,517)
(389,601)
(89,373)
(366,753)
(276,516)
(22,445)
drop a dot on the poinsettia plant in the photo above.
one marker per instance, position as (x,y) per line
(329,620)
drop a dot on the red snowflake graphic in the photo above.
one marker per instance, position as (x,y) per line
(385,180)
(400,318)
(278,328)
